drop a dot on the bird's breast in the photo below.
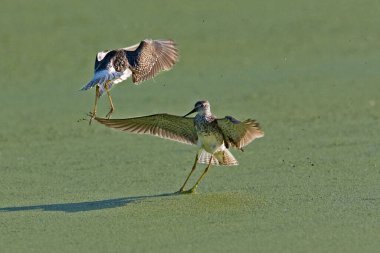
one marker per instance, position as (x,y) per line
(209,136)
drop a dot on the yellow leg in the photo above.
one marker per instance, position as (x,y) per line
(93,113)
(110,99)
(191,172)
(200,178)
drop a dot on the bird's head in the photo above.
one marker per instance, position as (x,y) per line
(201,107)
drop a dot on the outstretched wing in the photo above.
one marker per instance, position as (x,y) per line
(165,126)
(240,134)
(150,57)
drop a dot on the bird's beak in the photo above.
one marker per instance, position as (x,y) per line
(192,111)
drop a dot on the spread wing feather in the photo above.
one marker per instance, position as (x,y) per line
(150,57)
(103,59)
(240,134)
(165,126)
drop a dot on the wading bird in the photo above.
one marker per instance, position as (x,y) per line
(213,136)
(141,61)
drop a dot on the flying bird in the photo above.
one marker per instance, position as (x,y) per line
(142,61)
(213,136)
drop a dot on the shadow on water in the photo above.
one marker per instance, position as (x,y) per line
(85,206)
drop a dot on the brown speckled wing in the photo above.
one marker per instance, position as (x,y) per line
(239,133)
(151,57)
(165,126)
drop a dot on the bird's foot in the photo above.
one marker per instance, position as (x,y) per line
(108,116)
(190,191)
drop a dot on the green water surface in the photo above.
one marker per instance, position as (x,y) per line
(308,71)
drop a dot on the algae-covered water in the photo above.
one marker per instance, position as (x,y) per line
(308,71)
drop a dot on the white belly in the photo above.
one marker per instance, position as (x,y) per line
(210,143)
(127,73)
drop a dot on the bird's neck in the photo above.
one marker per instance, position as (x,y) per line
(206,114)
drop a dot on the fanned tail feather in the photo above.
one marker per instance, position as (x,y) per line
(224,158)
(205,157)
(89,85)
